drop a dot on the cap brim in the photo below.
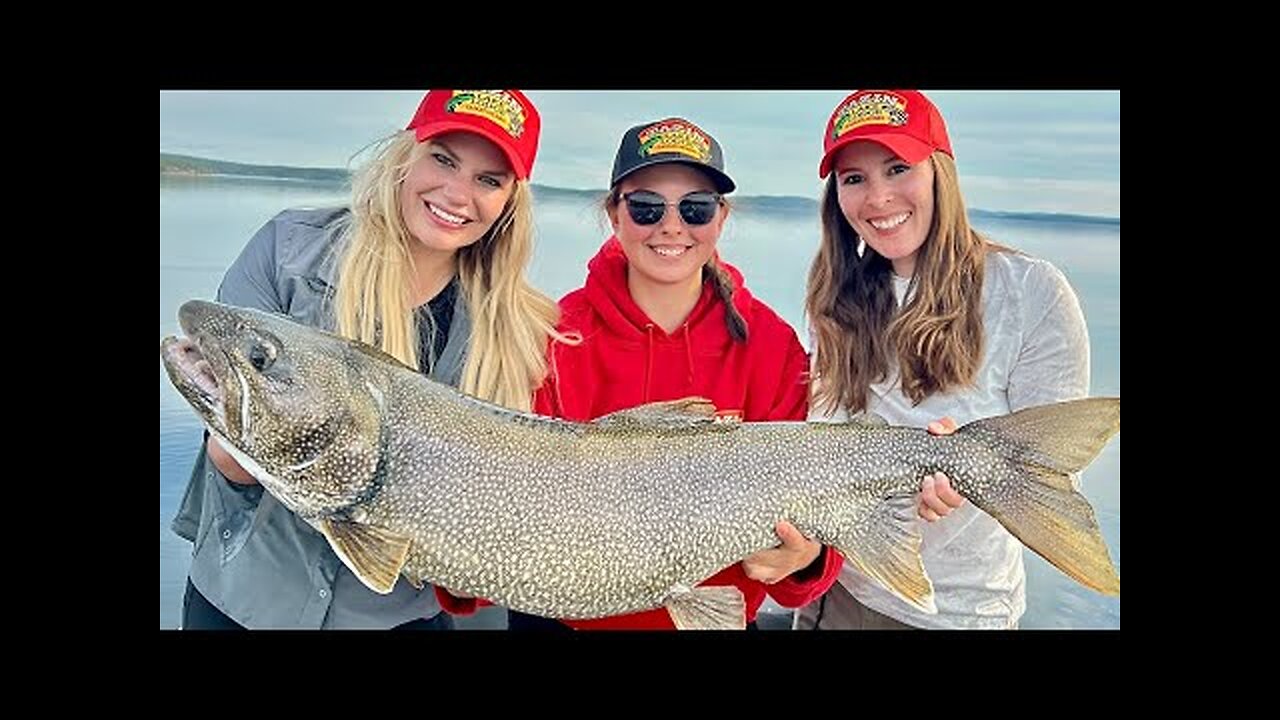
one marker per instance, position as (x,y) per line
(908,148)
(724,184)
(503,141)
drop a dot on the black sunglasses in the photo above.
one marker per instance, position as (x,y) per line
(647,207)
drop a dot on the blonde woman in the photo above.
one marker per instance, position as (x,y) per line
(428,263)
(916,316)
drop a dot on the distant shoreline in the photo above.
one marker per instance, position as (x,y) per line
(174,165)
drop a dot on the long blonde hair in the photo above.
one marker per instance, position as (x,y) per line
(510,320)
(936,338)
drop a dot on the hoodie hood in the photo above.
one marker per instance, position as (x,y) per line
(658,357)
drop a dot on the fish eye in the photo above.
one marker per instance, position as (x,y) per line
(262,355)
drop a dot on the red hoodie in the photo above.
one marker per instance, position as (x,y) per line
(625,359)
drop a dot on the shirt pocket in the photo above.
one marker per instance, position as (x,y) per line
(234,511)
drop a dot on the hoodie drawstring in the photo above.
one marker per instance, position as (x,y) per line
(648,364)
(688,352)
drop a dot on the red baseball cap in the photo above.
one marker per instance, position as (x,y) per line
(902,120)
(505,117)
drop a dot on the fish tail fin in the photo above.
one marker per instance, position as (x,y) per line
(1045,445)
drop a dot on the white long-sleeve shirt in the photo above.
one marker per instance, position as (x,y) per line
(1036,351)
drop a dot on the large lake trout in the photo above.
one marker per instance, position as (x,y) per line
(408,477)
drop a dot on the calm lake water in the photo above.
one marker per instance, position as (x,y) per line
(205,222)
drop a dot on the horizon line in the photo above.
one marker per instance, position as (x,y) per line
(1010,214)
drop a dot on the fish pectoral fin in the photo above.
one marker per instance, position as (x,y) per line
(685,412)
(708,607)
(375,555)
(889,552)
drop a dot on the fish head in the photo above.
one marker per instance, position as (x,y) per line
(299,408)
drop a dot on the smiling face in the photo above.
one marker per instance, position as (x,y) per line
(888,202)
(455,191)
(670,252)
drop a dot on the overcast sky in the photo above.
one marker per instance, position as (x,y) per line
(1050,151)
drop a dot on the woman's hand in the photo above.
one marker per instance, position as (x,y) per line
(796,552)
(937,499)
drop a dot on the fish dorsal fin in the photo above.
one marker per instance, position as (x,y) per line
(360,348)
(672,414)
(711,607)
(375,555)
(866,417)
(889,552)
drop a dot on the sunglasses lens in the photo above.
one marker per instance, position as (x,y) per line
(698,209)
(645,208)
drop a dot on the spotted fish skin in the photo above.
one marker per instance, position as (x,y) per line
(408,477)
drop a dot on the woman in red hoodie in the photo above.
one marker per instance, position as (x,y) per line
(661,318)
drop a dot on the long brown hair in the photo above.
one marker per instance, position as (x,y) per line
(936,338)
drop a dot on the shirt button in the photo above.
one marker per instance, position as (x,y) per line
(226,534)
(209,475)
(324,593)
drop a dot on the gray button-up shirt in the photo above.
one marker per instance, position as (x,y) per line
(252,557)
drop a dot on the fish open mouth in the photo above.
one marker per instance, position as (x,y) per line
(192,372)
